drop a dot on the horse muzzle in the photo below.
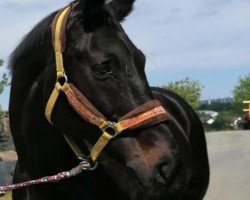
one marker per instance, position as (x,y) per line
(153,162)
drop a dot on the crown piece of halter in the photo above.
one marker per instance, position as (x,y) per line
(148,114)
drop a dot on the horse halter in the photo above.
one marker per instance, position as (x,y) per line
(148,114)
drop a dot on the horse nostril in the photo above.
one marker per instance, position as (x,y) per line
(165,171)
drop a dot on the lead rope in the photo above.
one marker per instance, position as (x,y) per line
(83,166)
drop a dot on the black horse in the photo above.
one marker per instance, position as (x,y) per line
(165,161)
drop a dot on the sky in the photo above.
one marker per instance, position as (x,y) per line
(205,40)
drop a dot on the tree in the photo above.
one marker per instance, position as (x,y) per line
(3,83)
(188,89)
(223,121)
(219,107)
(241,91)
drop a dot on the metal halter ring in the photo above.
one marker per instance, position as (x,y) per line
(111,129)
(62,79)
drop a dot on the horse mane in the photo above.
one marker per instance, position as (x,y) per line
(33,48)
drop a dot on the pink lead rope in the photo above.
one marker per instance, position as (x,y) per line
(83,166)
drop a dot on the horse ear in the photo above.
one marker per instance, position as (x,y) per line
(121,8)
(93,12)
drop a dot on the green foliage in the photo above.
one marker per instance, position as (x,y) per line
(3,83)
(204,117)
(227,113)
(219,107)
(223,121)
(3,80)
(188,89)
(241,91)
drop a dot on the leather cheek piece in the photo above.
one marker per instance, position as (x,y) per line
(82,106)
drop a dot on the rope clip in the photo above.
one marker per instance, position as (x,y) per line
(87,164)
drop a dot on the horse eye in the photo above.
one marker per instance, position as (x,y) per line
(103,69)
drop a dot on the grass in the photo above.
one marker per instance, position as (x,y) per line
(7,196)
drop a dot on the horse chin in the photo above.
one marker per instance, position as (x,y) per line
(175,190)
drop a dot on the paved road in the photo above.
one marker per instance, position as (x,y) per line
(229,155)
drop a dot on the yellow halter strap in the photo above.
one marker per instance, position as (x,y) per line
(59,49)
